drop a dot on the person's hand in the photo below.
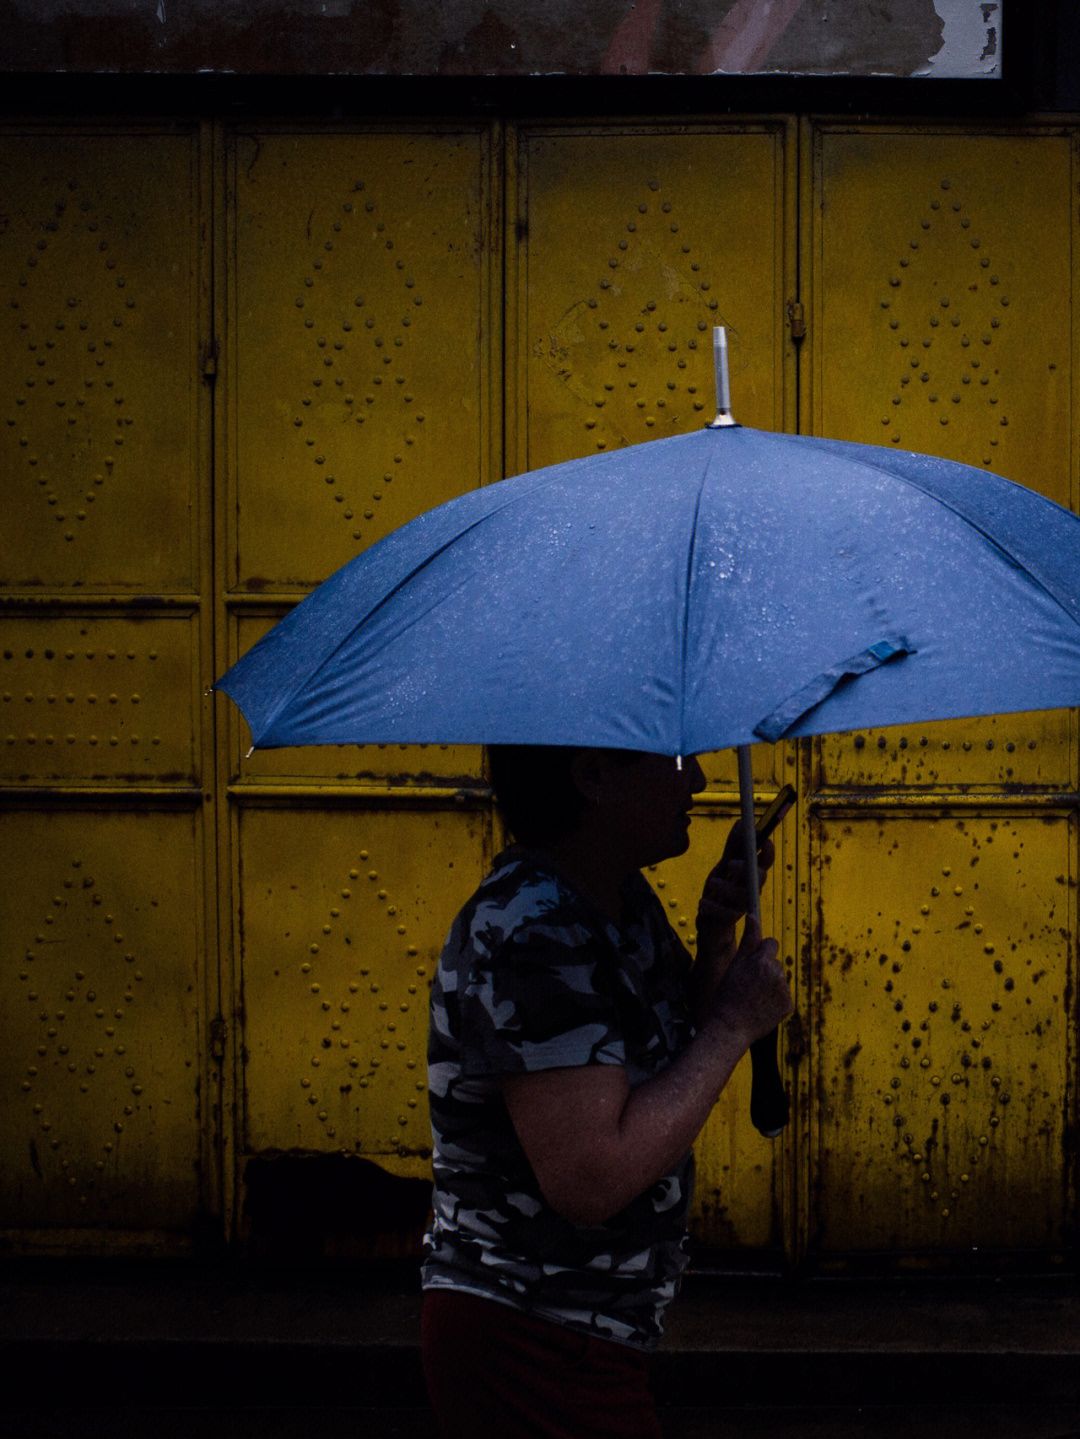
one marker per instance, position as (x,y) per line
(725,898)
(753,996)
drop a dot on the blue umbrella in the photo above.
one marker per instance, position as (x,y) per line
(709,590)
(681,596)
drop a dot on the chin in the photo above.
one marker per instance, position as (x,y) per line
(678,844)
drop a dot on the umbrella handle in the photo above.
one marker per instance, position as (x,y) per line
(769,1104)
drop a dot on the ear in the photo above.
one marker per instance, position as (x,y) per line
(588,770)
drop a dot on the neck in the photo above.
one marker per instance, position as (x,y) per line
(594,872)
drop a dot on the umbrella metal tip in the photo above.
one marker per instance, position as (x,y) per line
(724,416)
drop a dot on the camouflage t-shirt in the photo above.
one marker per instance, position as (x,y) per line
(532,977)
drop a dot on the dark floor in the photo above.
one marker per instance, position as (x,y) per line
(902,1421)
(175,1351)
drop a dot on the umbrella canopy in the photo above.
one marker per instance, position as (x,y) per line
(682,596)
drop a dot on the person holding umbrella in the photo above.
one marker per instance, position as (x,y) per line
(576,1052)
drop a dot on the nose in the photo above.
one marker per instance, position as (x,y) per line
(695,775)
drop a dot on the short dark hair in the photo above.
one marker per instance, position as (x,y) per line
(535,790)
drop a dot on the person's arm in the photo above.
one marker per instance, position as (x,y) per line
(595,1144)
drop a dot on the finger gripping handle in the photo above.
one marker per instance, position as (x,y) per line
(769,1104)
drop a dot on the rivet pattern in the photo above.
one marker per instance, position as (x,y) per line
(945,306)
(94,1058)
(362,1036)
(94,697)
(71,416)
(636,351)
(360,354)
(1030,751)
(337,970)
(947,974)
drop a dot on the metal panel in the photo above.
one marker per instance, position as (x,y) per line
(102,561)
(944,262)
(360,345)
(100,914)
(633,244)
(98,455)
(944,966)
(940,986)
(364,342)
(343,915)
(90,697)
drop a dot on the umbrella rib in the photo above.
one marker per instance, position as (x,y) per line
(690,559)
(306,679)
(1045,585)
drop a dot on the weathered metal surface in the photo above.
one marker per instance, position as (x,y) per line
(92,697)
(360,352)
(632,245)
(951,283)
(342,918)
(117,610)
(941,992)
(97,455)
(102,555)
(943,971)
(363,325)
(99,1094)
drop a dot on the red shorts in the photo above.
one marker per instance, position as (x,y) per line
(494,1372)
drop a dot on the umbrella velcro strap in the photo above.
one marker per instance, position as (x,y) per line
(774,726)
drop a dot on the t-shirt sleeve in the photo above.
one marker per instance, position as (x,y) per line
(540,999)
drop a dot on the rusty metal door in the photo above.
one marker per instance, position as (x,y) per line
(941,859)
(193,932)
(632,242)
(104,576)
(362,312)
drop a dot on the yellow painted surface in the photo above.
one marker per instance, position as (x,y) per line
(343,915)
(97,450)
(943,261)
(944,959)
(106,1124)
(94,697)
(633,245)
(360,270)
(940,959)
(105,563)
(100,1060)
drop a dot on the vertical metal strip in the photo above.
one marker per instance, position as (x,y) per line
(224,1121)
(802,1135)
(516,225)
(494,300)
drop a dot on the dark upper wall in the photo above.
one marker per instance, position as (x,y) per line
(615,56)
(502,37)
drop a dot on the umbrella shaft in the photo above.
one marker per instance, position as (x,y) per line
(746,800)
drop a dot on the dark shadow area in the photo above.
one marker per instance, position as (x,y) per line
(300,1208)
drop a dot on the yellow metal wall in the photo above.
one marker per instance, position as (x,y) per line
(104,549)
(236,358)
(361,301)
(940,859)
